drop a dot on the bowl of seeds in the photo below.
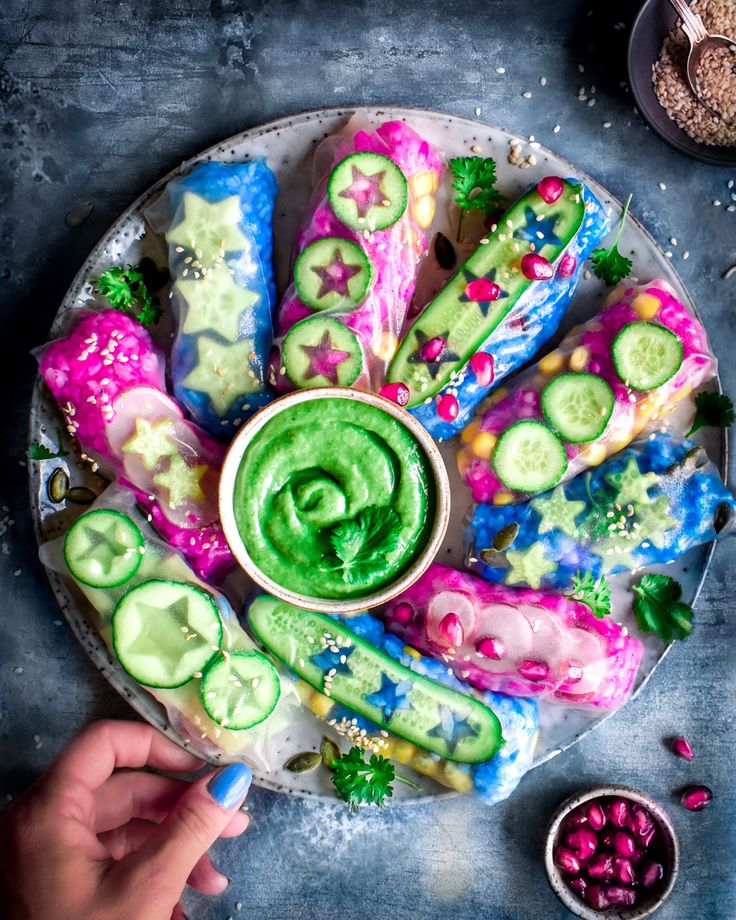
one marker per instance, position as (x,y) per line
(658,50)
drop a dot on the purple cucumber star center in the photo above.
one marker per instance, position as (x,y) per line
(336,276)
(365,191)
(324,359)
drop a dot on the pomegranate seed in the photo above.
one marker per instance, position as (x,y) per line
(596,816)
(574,674)
(681,747)
(646,839)
(567,861)
(491,647)
(431,349)
(601,866)
(567,265)
(578,884)
(451,629)
(695,798)
(637,856)
(623,843)
(577,818)
(650,873)
(618,812)
(396,392)
(481,364)
(550,188)
(583,842)
(403,613)
(623,869)
(640,821)
(597,898)
(617,894)
(607,840)
(533,670)
(482,290)
(448,408)
(536,267)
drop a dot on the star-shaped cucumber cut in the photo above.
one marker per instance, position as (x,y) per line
(444,356)
(181,481)
(152,441)
(632,485)
(334,659)
(324,359)
(452,728)
(364,190)
(391,696)
(483,305)
(215,303)
(209,228)
(654,521)
(336,276)
(540,231)
(223,372)
(528,566)
(103,546)
(557,512)
(616,552)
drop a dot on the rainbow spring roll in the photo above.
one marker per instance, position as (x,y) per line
(647,505)
(589,398)
(175,635)
(522,642)
(503,304)
(217,224)
(108,379)
(357,257)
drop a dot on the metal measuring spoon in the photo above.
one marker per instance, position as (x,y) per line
(700,42)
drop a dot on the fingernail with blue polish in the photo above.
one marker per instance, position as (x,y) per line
(230,784)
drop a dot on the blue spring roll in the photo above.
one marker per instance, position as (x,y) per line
(480,328)
(217,221)
(646,505)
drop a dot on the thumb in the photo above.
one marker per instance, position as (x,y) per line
(163,863)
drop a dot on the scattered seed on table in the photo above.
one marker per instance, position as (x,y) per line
(526,94)
(475,149)
(662,186)
(592,89)
(686,254)
(16,572)
(673,241)
(556,129)
(587,275)
(500,70)
(591,102)
(730,183)
(56,622)
(606,124)
(668,254)
(731,207)
(731,271)
(716,203)
(18,670)
(581,68)
(733,196)
(542,81)
(477,111)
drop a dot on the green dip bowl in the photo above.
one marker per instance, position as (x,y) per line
(334,499)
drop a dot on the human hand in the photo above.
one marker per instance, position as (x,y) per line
(88,842)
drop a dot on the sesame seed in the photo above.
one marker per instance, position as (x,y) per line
(500,70)
(475,148)
(686,254)
(477,111)
(730,183)
(581,68)
(662,186)
(556,129)
(526,94)
(668,254)
(591,102)
(716,203)
(731,207)
(606,124)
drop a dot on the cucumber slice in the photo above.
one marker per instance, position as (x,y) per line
(367,191)
(529,457)
(345,667)
(165,632)
(103,549)
(475,300)
(240,689)
(209,229)
(332,274)
(646,355)
(319,351)
(578,406)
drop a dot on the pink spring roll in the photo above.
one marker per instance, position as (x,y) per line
(108,379)
(520,642)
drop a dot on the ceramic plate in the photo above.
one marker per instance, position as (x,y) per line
(288,145)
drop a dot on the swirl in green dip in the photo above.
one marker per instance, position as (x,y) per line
(329,472)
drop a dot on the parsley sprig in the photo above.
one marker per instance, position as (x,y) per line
(658,607)
(38,451)
(365,783)
(126,290)
(595,593)
(360,543)
(608,264)
(712,410)
(475,186)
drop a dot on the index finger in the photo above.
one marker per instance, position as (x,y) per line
(105,746)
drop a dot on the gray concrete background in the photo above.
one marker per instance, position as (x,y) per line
(100,97)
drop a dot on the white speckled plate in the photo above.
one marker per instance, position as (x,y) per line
(288,144)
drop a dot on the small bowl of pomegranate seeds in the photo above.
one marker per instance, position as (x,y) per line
(611,852)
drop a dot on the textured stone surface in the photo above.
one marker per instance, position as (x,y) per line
(97,99)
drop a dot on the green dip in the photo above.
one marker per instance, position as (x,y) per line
(324,463)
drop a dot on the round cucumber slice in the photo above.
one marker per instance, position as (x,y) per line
(646,355)
(367,191)
(320,351)
(529,457)
(332,273)
(240,689)
(578,406)
(103,549)
(165,632)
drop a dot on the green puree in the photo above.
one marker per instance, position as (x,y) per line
(318,465)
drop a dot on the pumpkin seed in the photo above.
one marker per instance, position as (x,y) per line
(444,251)
(506,536)
(494,559)
(304,762)
(57,487)
(78,214)
(722,517)
(329,752)
(81,495)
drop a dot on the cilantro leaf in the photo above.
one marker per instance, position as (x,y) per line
(38,451)
(658,607)
(126,290)
(360,783)
(595,593)
(475,185)
(361,542)
(608,264)
(712,410)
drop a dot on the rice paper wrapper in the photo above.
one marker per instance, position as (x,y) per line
(258,746)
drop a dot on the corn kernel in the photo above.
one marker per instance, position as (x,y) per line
(469,432)
(387,345)
(579,358)
(423,183)
(646,305)
(552,363)
(423,211)
(451,775)
(321,705)
(503,498)
(404,751)
(594,454)
(483,445)
(412,653)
